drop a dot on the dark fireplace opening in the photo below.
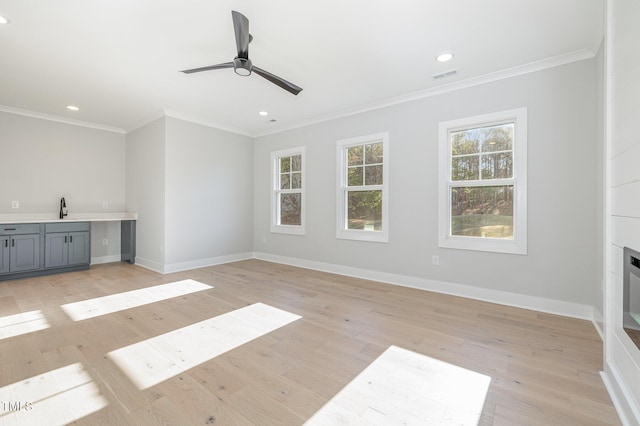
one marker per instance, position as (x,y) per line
(631,295)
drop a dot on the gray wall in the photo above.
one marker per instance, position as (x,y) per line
(622,358)
(561,263)
(191,185)
(208,195)
(44,160)
(146,191)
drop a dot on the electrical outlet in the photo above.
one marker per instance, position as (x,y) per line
(15,204)
(105,204)
(435,260)
(105,242)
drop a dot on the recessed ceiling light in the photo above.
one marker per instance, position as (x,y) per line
(444,57)
(263,113)
(4,20)
(73,108)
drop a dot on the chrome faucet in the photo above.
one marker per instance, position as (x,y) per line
(63,208)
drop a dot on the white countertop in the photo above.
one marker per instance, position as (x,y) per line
(74,217)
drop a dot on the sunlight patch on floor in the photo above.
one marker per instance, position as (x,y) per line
(91,308)
(57,397)
(404,387)
(26,322)
(154,360)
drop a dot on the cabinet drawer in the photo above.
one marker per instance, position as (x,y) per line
(67,227)
(20,228)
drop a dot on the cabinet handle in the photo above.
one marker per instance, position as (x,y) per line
(65,239)
(9,229)
(70,238)
(13,242)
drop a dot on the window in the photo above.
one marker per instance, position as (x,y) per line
(287,201)
(362,194)
(483,182)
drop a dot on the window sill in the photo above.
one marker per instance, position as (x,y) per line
(484,244)
(356,235)
(288,229)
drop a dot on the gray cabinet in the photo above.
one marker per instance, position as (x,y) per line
(4,254)
(79,248)
(35,249)
(24,253)
(20,248)
(67,244)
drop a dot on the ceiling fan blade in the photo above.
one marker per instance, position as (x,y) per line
(290,87)
(241,27)
(209,68)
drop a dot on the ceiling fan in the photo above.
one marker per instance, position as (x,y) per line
(242,64)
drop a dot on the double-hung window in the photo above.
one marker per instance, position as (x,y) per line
(483,182)
(287,198)
(362,191)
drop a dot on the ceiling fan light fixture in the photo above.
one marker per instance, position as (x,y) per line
(242,66)
(444,57)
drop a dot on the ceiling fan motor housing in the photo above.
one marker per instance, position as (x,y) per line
(242,66)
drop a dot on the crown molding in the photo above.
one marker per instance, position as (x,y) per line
(556,61)
(578,55)
(58,119)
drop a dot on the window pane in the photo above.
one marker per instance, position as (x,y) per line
(498,138)
(296,180)
(373,175)
(354,176)
(465,168)
(364,210)
(373,153)
(284,181)
(354,155)
(485,212)
(497,166)
(290,210)
(285,164)
(465,142)
(296,163)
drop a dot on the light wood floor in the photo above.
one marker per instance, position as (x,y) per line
(544,369)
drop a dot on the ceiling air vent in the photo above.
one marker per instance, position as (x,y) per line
(445,74)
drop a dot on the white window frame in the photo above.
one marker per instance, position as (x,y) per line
(276,227)
(342,189)
(517,245)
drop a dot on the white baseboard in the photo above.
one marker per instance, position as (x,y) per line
(557,307)
(105,259)
(192,264)
(598,321)
(620,396)
(201,263)
(150,264)
(599,328)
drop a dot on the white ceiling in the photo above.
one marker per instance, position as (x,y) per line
(118,60)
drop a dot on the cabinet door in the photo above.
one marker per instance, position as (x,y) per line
(25,252)
(79,248)
(4,255)
(56,249)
